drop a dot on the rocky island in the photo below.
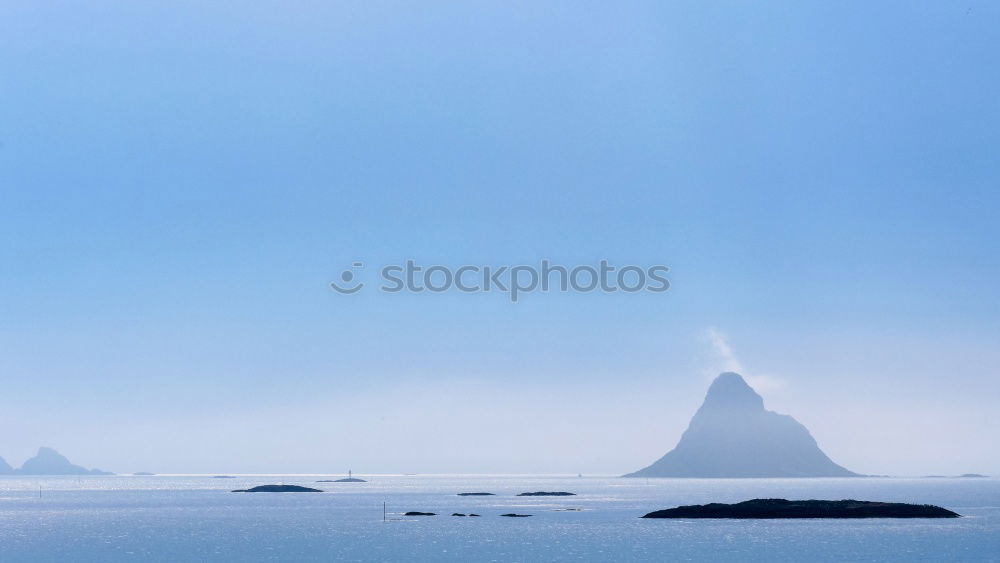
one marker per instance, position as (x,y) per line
(349,479)
(780,508)
(732,435)
(278,489)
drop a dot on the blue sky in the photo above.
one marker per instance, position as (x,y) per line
(179,183)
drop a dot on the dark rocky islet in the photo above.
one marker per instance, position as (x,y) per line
(781,508)
(278,489)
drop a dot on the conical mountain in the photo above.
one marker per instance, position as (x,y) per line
(732,435)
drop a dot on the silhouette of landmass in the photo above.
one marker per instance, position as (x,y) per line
(781,508)
(475,494)
(5,468)
(50,462)
(547,494)
(962,476)
(417,513)
(278,489)
(732,435)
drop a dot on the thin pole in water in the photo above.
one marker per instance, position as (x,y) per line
(383,512)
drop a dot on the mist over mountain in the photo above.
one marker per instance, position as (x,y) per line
(50,462)
(5,468)
(733,435)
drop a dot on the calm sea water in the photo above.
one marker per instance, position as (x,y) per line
(196,518)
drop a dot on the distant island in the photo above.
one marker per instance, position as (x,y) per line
(781,508)
(962,476)
(278,489)
(547,494)
(732,435)
(48,462)
(475,494)
(349,479)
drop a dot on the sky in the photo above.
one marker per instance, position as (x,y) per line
(180,182)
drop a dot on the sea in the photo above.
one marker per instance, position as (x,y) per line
(197,518)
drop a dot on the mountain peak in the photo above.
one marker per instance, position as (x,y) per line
(730,390)
(50,462)
(733,435)
(729,378)
(49,452)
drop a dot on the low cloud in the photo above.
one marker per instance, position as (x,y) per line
(725,359)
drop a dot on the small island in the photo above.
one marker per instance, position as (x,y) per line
(475,494)
(349,479)
(512,515)
(547,494)
(781,508)
(416,513)
(278,489)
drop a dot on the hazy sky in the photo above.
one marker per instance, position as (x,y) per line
(180,182)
